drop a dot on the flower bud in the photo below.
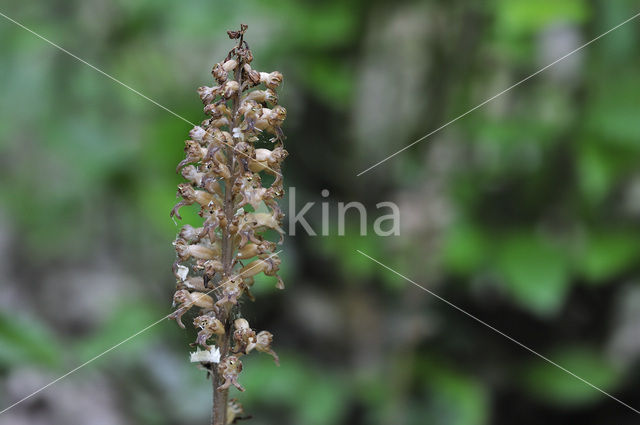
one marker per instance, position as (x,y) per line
(213,110)
(186,251)
(230,88)
(271,156)
(243,336)
(252,76)
(208,94)
(278,115)
(262,96)
(230,65)
(241,324)
(191,173)
(197,133)
(189,233)
(191,195)
(252,250)
(271,80)
(247,56)
(219,73)
(269,266)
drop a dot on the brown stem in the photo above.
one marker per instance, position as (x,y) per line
(219,414)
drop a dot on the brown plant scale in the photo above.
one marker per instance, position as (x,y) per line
(216,263)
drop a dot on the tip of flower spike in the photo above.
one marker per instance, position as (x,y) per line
(212,355)
(237,34)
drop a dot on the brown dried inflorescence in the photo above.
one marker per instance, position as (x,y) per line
(217,261)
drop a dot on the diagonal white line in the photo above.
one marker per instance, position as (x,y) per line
(117,81)
(82,365)
(171,112)
(498,95)
(499,332)
(123,341)
(95,68)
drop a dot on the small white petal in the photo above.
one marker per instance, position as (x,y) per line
(182,273)
(205,356)
(237,133)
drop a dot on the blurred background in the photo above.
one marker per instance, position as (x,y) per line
(525,212)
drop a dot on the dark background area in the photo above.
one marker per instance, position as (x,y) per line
(524,213)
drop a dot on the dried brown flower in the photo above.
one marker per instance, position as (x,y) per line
(222,171)
(229,368)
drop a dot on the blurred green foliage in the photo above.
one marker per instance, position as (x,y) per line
(547,384)
(524,212)
(27,341)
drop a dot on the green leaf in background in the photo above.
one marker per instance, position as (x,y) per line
(522,17)
(355,265)
(455,398)
(124,322)
(615,50)
(557,387)
(315,397)
(316,25)
(595,173)
(345,247)
(332,82)
(607,253)
(318,31)
(323,402)
(536,273)
(89,182)
(465,249)
(26,342)
(613,116)
(518,21)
